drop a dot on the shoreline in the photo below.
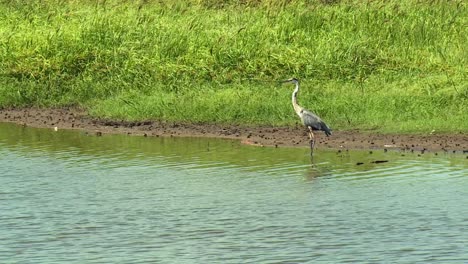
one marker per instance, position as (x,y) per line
(76,119)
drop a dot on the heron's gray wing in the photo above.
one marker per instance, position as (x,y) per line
(315,122)
(310,119)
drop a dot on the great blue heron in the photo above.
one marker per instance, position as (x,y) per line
(309,119)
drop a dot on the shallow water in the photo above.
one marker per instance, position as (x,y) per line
(67,197)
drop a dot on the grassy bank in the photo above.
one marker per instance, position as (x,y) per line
(383,65)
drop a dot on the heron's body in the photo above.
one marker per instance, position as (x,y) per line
(308,118)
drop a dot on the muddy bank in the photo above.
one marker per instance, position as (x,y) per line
(262,136)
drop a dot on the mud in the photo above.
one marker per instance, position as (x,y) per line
(72,118)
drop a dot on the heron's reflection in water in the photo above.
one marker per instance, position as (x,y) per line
(317,170)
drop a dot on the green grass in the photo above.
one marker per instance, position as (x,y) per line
(377,65)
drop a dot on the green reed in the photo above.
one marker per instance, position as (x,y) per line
(380,65)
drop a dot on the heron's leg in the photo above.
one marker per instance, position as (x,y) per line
(311,134)
(311,140)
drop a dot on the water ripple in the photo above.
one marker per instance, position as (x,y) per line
(173,201)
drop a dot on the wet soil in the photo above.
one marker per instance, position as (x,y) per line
(72,118)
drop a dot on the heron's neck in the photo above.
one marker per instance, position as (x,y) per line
(297,108)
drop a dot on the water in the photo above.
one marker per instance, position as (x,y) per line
(67,197)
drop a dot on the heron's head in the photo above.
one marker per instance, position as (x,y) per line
(292,80)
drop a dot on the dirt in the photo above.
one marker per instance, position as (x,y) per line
(71,118)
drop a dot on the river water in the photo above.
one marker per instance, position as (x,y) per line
(69,197)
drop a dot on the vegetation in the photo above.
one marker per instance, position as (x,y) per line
(395,66)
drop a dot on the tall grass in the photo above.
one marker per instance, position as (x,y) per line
(380,65)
